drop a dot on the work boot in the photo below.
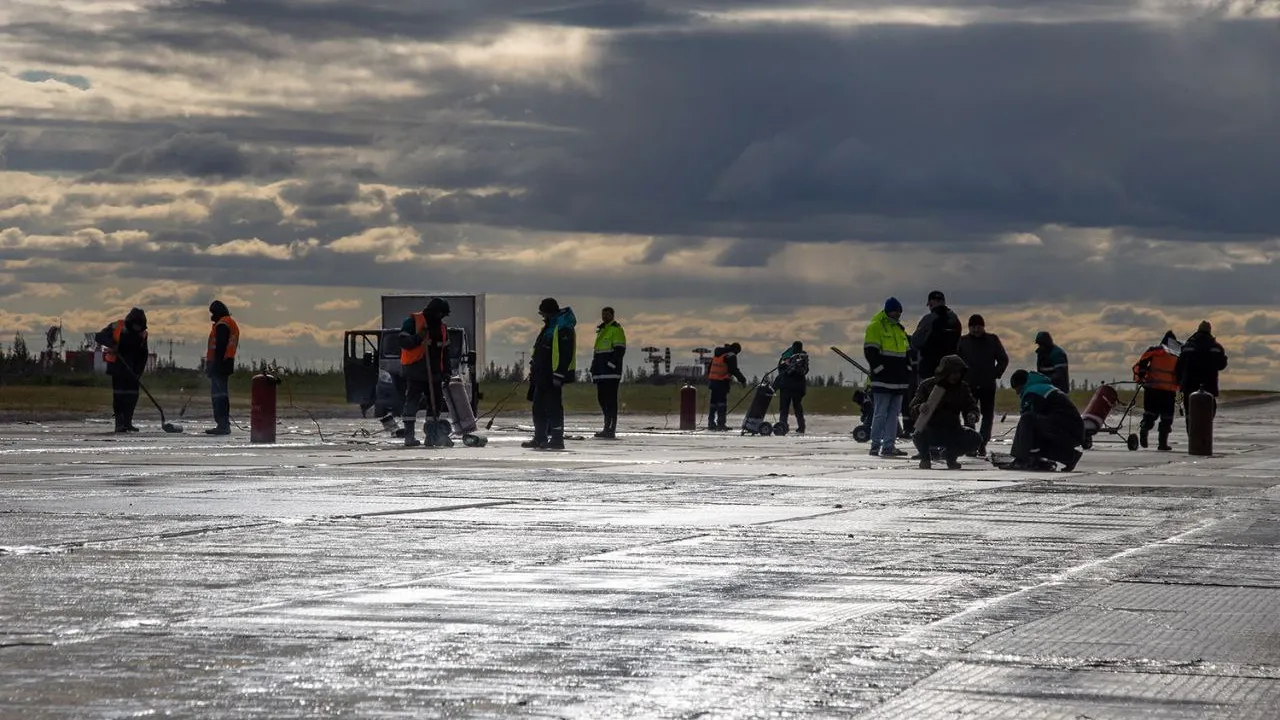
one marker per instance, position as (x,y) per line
(131,428)
(1076,455)
(893,453)
(218,430)
(554,444)
(953,464)
(926,463)
(875,452)
(1163,440)
(534,444)
(982,450)
(607,434)
(1144,436)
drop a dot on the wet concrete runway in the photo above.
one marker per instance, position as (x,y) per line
(662,575)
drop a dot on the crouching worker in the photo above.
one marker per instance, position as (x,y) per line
(1050,427)
(941,404)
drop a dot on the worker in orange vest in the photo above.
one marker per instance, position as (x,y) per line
(126,355)
(220,365)
(1156,370)
(424,338)
(720,376)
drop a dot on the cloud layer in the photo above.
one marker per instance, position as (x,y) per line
(742,169)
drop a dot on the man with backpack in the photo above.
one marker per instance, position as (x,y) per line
(791,383)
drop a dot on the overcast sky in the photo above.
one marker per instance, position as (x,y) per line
(717,170)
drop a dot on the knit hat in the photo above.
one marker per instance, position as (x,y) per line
(892,305)
(1204,327)
(549,306)
(976,320)
(938,296)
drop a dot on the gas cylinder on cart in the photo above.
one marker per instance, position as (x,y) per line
(460,405)
(1201,407)
(688,407)
(1095,414)
(262,409)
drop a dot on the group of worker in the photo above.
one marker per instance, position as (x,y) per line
(126,352)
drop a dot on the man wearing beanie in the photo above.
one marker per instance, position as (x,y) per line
(937,335)
(885,348)
(553,364)
(1200,361)
(987,360)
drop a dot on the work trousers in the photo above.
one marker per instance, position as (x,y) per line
(416,397)
(1158,405)
(1038,436)
(607,395)
(886,407)
(954,440)
(719,405)
(220,394)
(124,398)
(986,396)
(548,412)
(787,401)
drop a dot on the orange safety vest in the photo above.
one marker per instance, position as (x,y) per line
(719,369)
(409,356)
(109,354)
(233,341)
(1159,373)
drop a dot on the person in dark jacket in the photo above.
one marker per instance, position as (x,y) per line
(553,364)
(606,370)
(1051,361)
(791,383)
(987,360)
(943,427)
(126,355)
(424,338)
(1200,361)
(1049,427)
(937,335)
(220,365)
(721,373)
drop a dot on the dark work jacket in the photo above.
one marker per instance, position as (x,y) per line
(560,330)
(956,403)
(986,359)
(133,350)
(793,370)
(937,336)
(1201,360)
(1040,397)
(409,339)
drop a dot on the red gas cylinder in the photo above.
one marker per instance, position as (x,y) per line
(262,411)
(688,407)
(1100,406)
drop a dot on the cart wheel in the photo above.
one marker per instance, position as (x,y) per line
(766,429)
(862,434)
(780,428)
(1132,442)
(1088,441)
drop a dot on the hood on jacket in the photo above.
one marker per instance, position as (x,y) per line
(565,319)
(883,316)
(136,318)
(218,310)
(1044,338)
(950,364)
(1036,383)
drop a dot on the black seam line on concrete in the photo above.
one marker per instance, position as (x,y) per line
(413,511)
(1057,578)
(161,536)
(1070,663)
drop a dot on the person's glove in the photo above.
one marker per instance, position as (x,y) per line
(557,381)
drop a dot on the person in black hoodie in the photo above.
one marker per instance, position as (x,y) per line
(987,360)
(791,383)
(553,364)
(1200,361)
(943,428)
(126,356)
(936,336)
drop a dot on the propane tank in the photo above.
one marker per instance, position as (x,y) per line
(1100,406)
(262,412)
(1201,407)
(688,407)
(459,404)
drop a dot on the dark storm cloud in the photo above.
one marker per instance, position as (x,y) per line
(1131,317)
(1262,324)
(202,155)
(321,191)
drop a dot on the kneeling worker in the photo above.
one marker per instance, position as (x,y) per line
(938,420)
(1050,427)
